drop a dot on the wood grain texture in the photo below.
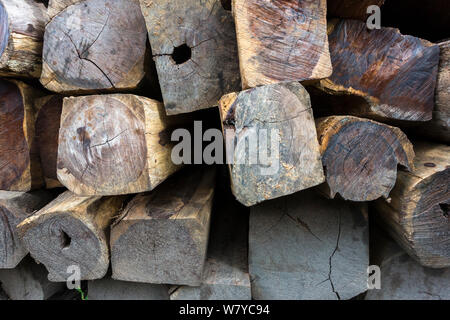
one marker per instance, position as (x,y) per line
(225,276)
(28,281)
(19,160)
(281,40)
(361,157)
(162,236)
(109,289)
(71,231)
(402,278)
(393,75)
(439,127)
(306,247)
(21,35)
(114,144)
(283,112)
(48,117)
(209,68)
(14,208)
(80,52)
(417,216)
(351,9)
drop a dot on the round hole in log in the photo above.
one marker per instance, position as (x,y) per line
(65,240)
(4,29)
(181,54)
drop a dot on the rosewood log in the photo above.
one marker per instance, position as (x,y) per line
(14,208)
(361,157)
(271,142)
(71,231)
(389,76)
(94,45)
(225,276)
(19,159)
(162,236)
(48,117)
(351,9)
(306,247)
(402,278)
(28,281)
(114,144)
(417,216)
(281,41)
(194,48)
(22,24)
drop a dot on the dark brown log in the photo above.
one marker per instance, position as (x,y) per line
(22,24)
(417,215)
(388,75)
(351,9)
(306,247)
(439,127)
(14,208)
(162,236)
(19,159)
(28,281)
(114,144)
(194,47)
(94,45)
(48,119)
(361,157)
(283,113)
(281,41)
(402,278)
(71,231)
(225,276)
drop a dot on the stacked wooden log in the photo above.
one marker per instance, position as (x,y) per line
(306,128)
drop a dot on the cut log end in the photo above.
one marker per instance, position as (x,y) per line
(361,156)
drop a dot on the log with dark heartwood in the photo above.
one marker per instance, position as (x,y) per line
(281,41)
(94,45)
(379,74)
(19,158)
(271,142)
(14,208)
(361,157)
(162,236)
(22,24)
(417,215)
(194,48)
(72,233)
(114,144)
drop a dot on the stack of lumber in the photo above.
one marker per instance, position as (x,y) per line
(352,134)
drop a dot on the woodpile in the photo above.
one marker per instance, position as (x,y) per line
(224,150)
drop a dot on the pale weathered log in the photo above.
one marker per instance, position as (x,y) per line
(28,281)
(162,236)
(361,157)
(94,45)
(14,208)
(439,127)
(402,278)
(225,276)
(283,154)
(114,144)
(22,24)
(379,74)
(109,289)
(71,231)
(351,9)
(19,159)
(48,117)
(194,47)
(281,41)
(307,247)
(417,215)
